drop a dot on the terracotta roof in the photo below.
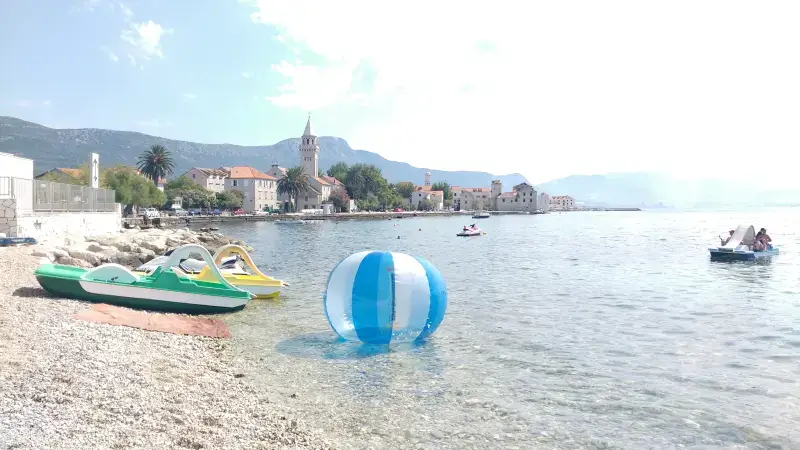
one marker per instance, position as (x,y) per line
(333,180)
(322,181)
(561,196)
(248,173)
(216,172)
(423,188)
(71,172)
(455,188)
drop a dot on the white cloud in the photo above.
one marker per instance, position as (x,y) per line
(111,55)
(24,104)
(553,88)
(145,39)
(125,10)
(189,96)
(47,103)
(311,87)
(247,74)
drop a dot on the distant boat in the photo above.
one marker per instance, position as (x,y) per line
(471,232)
(481,215)
(740,247)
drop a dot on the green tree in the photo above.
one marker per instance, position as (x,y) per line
(405,189)
(193,195)
(131,189)
(368,203)
(340,200)
(363,179)
(293,182)
(339,171)
(320,173)
(156,163)
(230,199)
(448,192)
(425,205)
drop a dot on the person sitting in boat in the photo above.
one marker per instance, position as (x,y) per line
(764,237)
(724,241)
(759,246)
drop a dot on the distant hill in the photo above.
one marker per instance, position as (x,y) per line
(657,190)
(51,148)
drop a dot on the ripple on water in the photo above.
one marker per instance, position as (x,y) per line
(555,336)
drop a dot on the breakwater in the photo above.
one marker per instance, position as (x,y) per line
(199,220)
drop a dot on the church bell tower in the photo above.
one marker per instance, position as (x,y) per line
(309,150)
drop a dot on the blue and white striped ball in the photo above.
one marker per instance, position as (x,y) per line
(383,297)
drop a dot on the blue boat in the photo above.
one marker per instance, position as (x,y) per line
(9,241)
(740,247)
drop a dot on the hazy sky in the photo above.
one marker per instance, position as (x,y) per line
(548,89)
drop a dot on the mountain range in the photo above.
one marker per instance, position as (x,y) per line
(51,148)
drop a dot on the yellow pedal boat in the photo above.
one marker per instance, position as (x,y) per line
(261,286)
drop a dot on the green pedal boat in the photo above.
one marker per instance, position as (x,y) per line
(167,288)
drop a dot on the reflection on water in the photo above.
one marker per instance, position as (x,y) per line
(594,330)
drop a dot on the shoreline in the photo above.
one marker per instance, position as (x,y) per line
(191,220)
(67,383)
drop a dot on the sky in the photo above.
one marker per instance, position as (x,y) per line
(697,89)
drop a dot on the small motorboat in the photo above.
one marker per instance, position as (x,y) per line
(227,261)
(471,231)
(481,215)
(166,288)
(740,247)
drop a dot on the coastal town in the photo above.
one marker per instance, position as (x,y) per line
(321,192)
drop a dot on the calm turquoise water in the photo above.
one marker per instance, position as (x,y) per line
(576,330)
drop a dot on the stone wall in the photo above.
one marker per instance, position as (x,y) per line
(8,217)
(40,225)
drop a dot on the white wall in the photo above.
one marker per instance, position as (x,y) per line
(14,166)
(40,225)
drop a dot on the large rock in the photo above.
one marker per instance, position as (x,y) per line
(95,247)
(85,255)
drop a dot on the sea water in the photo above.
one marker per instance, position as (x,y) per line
(572,330)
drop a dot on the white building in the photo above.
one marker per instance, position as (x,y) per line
(471,198)
(562,202)
(420,193)
(544,202)
(259,189)
(523,197)
(211,179)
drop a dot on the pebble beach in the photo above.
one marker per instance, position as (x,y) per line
(71,384)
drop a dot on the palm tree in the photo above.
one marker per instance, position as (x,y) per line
(156,163)
(293,182)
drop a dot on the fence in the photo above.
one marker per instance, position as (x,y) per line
(40,195)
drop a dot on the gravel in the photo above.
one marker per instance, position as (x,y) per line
(69,384)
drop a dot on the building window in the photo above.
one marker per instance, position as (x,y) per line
(306,198)
(234,183)
(193,176)
(305,206)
